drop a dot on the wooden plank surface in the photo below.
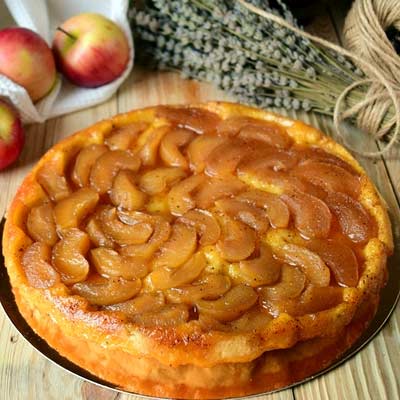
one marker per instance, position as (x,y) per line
(25,374)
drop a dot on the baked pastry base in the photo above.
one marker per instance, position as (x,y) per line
(271,371)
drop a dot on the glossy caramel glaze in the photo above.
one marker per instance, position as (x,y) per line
(198,235)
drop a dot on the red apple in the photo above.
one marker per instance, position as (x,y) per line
(11,135)
(26,59)
(90,50)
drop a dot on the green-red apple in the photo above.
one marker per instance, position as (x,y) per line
(11,135)
(90,50)
(26,59)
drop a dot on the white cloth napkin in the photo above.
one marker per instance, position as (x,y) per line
(43,17)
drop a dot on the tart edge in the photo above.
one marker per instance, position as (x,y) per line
(182,345)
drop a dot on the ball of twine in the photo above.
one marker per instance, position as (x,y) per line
(365,36)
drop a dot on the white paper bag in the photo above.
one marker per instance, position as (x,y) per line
(43,17)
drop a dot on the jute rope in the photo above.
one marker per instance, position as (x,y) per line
(364,35)
(373,53)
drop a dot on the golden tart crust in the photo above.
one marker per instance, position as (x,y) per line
(214,358)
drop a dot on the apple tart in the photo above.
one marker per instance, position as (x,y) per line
(199,251)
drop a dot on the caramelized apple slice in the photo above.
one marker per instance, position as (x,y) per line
(273,178)
(107,166)
(339,258)
(135,217)
(210,287)
(123,138)
(263,270)
(69,256)
(238,240)
(148,153)
(255,129)
(206,225)
(308,187)
(265,159)
(84,163)
(158,180)
(196,119)
(313,300)
(124,192)
(223,159)
(180,196)
(268,132)
(354,220)
(51,178)
(310,263)
(109,263)
(40,224)
(290,286)
(318,154)
(231,126)
(280,181)
(103,292)
(170,144)
(178,248)
(329,177)
(312,217)
(122,233)
(36,265)
(169,315)
(276,210)
(162,230)
(249,215)
(165,277)
(252,321)
(97,236)
(142,303)
(70,211)
(231,305)
(215,189)
(199,149)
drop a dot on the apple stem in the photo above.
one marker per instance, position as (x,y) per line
(67,33)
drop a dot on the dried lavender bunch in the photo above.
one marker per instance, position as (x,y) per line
(256,60)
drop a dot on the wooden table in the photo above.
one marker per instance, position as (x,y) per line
(374,373)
